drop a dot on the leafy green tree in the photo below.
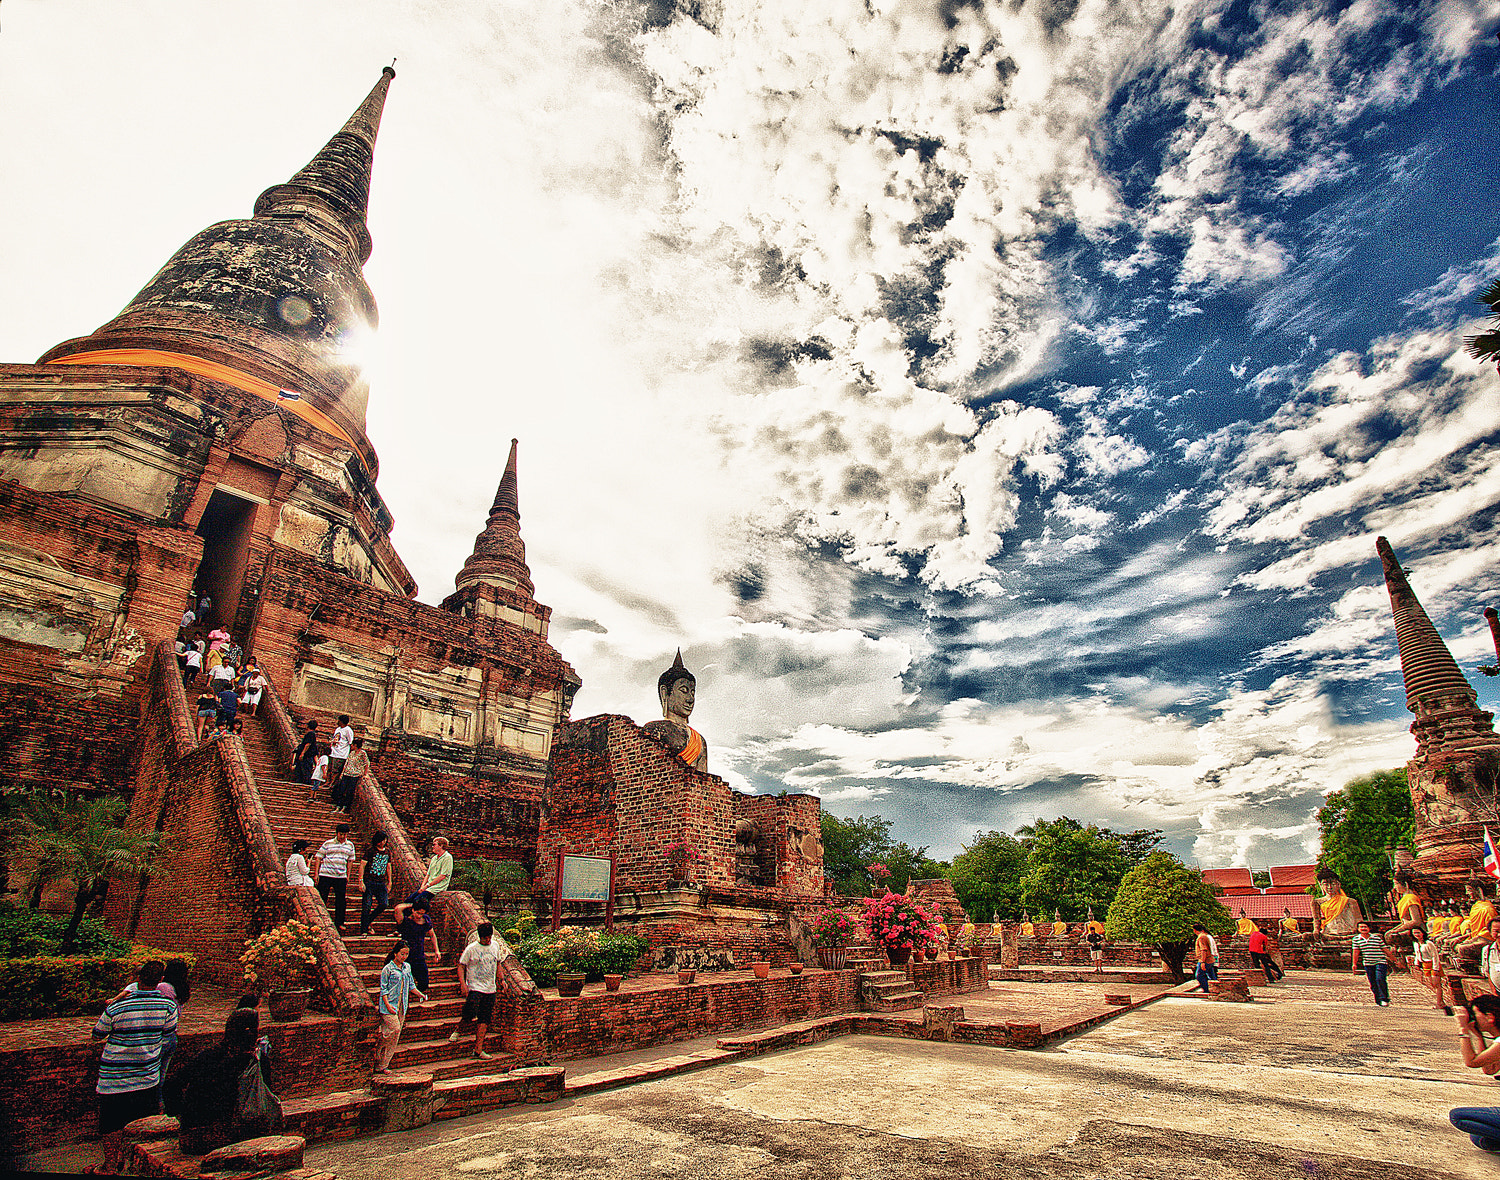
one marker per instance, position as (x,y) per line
(987,874)
(81,840)
(1158,901)
(849,845)
(1357,825)
(1071,867)
(491,880)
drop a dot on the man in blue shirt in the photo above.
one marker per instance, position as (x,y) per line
(133,1029)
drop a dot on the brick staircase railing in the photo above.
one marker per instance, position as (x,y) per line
(456,912)
(337,978)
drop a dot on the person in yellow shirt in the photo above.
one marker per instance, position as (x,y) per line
(1244,927)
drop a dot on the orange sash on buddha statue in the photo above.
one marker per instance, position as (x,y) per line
(691,752)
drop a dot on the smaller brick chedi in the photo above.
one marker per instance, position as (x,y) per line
(1454,773)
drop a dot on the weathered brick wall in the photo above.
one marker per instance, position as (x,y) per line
(607,1023)
(743,945)
(84,595)
(306,1058)
(613,788)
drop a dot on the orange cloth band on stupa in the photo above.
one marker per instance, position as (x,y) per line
(694,748)
(151,358)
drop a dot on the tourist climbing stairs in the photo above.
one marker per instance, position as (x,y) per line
(292,816)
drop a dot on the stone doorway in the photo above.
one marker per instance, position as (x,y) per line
(226,527)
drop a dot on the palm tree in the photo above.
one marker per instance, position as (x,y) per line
(81,840)
(488,879)
(1486,345)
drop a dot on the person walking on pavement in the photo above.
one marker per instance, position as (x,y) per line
(1203,956)
(1260,956)
(333,871)
(1367,951)
(397,983)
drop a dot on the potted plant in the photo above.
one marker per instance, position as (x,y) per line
(570,951)
(278,963)
(681,854)
(794,967)
(898,925)
(831,930)
(686,975)
(612,982)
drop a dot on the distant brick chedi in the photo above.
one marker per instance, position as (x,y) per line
(211,439)
(1454,774)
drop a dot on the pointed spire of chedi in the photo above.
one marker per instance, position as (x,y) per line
(499,557)
(1436,690)
(276,305)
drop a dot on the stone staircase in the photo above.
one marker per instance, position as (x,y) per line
(881,989)
(424,1041)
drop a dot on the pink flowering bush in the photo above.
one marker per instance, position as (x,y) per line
(878,872)
(830,926)
(683,851)
(900,923)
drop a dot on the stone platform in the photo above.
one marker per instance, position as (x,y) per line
(1288,1094)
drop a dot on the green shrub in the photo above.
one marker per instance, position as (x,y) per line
(76,985)
(24,933)
(542,954)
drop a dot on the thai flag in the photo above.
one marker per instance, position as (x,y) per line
(1491,861)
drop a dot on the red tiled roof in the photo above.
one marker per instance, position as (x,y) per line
(1229,879)
(1270,905)
(1299,875)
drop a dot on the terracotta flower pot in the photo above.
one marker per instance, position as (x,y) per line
(952,956)
(612,982)
(832,958)
(288,1005)
(795,968)
(762,970)
(898,956)
(686,977)
(570,983)
(919,956)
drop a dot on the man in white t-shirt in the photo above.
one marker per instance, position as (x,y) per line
(188,619)
(193,659)
(477,970)
(343,739)
(333,871)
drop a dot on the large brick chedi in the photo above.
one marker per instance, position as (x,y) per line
(210,439)
(1454,773)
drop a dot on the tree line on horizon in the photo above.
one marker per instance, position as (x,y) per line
(1066,866)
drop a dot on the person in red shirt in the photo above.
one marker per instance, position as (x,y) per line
(1260,955)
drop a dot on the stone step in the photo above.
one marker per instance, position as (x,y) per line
(896,1003)
(411,1053)
(882,976)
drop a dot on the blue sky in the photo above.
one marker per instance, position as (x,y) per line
(997,402)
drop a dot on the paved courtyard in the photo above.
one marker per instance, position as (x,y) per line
(1312,1080)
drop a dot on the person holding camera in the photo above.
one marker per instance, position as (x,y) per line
(1477,1030)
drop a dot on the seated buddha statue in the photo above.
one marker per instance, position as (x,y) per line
(1028,929)
(1059,927)
(1481,913)
(1243,927)
(1289,927)
(1340,912)
(677,689)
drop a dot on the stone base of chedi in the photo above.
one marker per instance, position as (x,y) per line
(1454,775)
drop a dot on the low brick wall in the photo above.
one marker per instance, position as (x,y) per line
(945,978)
(590,1025)
(47,1091)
